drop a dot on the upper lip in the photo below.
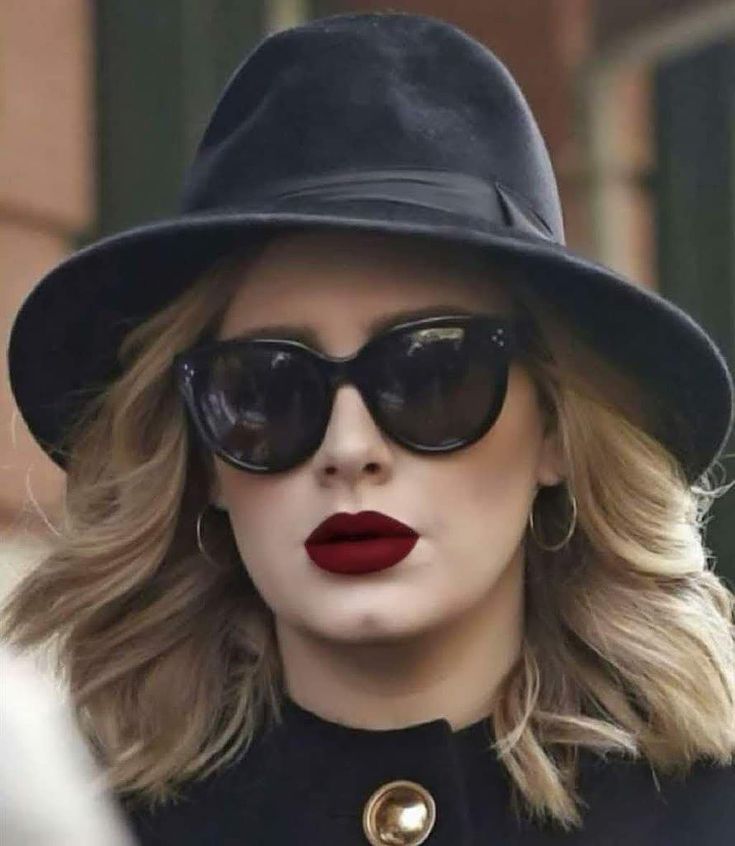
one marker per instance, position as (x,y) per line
(364,524)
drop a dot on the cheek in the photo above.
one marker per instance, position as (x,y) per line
(264,513)
(487,489)
(507,457)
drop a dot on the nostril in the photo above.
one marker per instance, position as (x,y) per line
(371,467)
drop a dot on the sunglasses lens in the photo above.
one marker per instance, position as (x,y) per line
(437,388)
(263,406)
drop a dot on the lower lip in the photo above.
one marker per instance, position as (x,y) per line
(356,557)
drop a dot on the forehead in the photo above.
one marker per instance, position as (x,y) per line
(339,283)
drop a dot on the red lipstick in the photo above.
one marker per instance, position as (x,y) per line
(352,544)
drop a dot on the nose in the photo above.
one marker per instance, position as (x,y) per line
(353,446)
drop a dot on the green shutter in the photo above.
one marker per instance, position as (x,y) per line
(160,68)
(695,136)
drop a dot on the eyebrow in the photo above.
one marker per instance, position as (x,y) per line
(308,335)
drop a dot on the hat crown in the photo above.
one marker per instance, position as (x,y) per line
(365,92)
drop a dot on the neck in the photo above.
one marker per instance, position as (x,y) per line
(449,672)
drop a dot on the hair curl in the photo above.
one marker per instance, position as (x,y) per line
(171,661)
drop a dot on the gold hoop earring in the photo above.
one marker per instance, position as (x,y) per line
(200,544)
(570,531)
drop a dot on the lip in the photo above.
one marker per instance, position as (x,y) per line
(366,542)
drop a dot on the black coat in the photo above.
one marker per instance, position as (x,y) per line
(305,782)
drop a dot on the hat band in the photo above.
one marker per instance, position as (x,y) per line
(447,191)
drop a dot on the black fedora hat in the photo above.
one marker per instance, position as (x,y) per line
(388,122)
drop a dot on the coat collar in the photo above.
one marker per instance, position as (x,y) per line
(304,723)
(332,770)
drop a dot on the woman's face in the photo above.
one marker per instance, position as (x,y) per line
(469,507)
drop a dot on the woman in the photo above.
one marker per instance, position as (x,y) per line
(383,517)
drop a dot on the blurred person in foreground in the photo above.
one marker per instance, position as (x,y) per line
(384,509)
(50,790)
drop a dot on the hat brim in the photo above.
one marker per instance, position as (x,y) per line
(64,340)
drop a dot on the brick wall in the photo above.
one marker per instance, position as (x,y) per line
(46,199)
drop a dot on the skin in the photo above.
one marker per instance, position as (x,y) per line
(433,636)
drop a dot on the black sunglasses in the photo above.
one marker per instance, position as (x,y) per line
(432,385)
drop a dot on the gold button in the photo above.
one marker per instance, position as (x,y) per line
(400,813)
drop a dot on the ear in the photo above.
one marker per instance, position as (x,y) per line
(550,469)
(215,491)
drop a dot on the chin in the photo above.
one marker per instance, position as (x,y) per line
(370,627)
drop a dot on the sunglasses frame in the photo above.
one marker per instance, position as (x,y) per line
(505,332)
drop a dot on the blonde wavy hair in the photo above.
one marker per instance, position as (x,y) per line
(171,659)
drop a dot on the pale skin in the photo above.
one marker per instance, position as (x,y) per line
(433,636)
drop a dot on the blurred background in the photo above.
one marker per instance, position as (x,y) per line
(102,103)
